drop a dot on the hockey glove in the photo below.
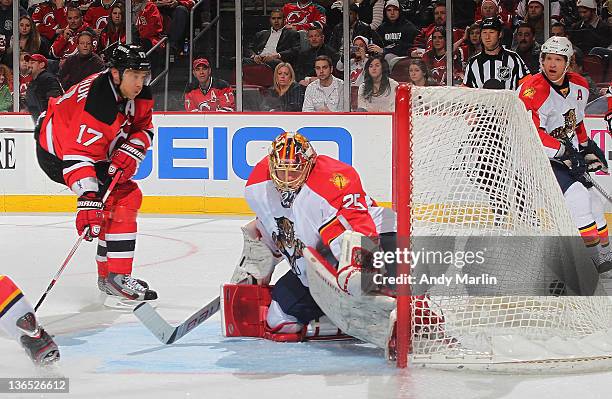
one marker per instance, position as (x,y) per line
(127,157)
(594,157)
(89,214)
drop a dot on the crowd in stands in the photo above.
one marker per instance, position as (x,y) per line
(391,41)
(405,41)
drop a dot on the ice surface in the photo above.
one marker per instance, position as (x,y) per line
(107,353)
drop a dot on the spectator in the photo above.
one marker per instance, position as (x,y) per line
(397,33)
(6,18)
(435,59)
(357,28)
(306,59)
(470,44)
(358,59)
(303,15)
(97,14)
(419,73)
(423,41)
(493,8)
(326,94)
(208,93)
(43,86)
(591,31)
(6,97)
(275,45)
(527,48)
(177,11)
(370,11)
(114,31)
(535,18)
(82,64)
(25,77)
(377,92)
(576,65)
(148,21)
(66,44)
(29,38)
(287,95)
(523,12)
(419,12)
(558,29)
(50,19)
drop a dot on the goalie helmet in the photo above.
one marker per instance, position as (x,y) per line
(291,159)
(129,56)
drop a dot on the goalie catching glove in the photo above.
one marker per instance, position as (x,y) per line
(127,157)
(90,214)
(594,157)
(257,260)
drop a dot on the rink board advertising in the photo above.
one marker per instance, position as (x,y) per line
(200,162)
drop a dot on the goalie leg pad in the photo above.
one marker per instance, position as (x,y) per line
(367,318)
(244,308)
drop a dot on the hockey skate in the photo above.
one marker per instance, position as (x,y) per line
(37,343)
(104,290)
(125,292)
(603,263)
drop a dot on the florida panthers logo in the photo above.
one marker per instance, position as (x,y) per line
(287,244)
(568,129)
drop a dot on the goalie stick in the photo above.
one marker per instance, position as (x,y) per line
(167,333)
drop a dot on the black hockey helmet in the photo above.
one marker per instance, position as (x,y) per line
(129,56)
(492,23)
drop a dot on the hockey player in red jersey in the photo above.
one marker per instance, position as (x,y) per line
(556,100)
(18,320)
(301,200)
(101,126)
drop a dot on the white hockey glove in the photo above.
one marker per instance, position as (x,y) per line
(257,260)
(357,250)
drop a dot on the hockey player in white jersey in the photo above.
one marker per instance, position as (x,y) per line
(18,320)
(301,200)
(556,100)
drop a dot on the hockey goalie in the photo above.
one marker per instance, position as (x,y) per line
(312,211)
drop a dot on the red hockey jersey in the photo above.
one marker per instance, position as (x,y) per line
(63,48)
(97,14)
(83,127)
(48,18)
(107,38)
(557,111)
(24,82)
(331,201)
(304,16)
(149,23)
(216,96)
(437,66)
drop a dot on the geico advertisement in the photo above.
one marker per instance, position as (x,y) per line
(213,154)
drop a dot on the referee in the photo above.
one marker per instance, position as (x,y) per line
(494,67)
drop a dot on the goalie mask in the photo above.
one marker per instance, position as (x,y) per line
(291,159)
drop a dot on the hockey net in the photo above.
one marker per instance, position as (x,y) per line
(468,164)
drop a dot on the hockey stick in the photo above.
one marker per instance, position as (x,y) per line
(76,244)
(164,331)
(599,188)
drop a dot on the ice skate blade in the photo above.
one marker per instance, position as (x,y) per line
(115,302)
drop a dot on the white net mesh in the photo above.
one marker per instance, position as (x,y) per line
(479,173)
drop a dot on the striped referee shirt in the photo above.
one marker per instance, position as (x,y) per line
(505,70)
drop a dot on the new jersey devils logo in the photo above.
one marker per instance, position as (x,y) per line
(287,244)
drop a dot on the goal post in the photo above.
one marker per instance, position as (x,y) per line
(468,168)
